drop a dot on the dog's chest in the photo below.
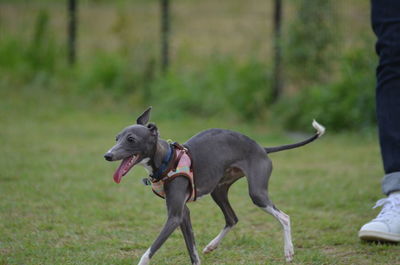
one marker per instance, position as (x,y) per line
(145,163)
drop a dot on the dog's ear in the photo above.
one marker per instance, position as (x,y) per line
(153,129)
(144,118)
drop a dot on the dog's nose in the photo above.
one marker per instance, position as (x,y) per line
(108,156)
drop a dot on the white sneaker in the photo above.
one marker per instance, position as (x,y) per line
(386,226)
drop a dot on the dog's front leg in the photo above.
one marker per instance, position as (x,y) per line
(187,231)
(176,195)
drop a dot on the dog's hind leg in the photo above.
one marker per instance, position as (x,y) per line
(284,220)
(187,231)
(220,196)
(258,177)
(177,193)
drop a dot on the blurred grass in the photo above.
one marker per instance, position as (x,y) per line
(59,205)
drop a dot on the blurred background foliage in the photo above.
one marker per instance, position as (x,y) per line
(221,57)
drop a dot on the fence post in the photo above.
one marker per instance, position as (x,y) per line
(277,65)
(72,24)
(165,28)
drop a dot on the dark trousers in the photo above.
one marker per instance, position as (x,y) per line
(386,25)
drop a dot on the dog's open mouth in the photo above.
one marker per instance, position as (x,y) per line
(125,166)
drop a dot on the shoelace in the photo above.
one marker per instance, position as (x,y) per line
(390,209)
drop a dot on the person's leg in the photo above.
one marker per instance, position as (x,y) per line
(386,25)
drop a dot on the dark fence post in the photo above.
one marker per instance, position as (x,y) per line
(277,67)
(72,24)
(165,27)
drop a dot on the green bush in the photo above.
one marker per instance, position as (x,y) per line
(222,86)
(310,45)
(33,59)
(105,71)
(346,104)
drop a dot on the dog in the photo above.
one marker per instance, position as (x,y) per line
(218,158)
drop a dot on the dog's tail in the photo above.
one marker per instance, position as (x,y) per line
(320,131)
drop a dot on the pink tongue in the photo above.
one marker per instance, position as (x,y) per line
(121,170)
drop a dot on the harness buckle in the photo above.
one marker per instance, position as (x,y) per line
(146,181)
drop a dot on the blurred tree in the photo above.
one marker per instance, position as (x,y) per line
(277,70)
(165,28)
(72,24)
(311,41)
(40,55)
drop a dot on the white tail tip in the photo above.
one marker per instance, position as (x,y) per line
(320,129)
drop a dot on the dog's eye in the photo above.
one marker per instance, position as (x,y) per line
(130,139)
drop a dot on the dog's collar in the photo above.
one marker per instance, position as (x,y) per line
(164,164)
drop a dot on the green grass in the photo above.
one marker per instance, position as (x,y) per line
(59,204)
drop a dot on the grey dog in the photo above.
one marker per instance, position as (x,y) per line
(220,158)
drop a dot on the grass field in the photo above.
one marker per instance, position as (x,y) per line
(59,204)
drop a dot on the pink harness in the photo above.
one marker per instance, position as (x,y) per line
(183,168)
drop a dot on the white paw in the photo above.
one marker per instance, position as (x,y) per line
(289,253)
(145,260)
(209,248)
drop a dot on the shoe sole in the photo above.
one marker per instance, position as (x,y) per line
(378,236)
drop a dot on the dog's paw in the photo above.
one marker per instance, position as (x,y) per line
(209,248)
(289,255)
(145,259)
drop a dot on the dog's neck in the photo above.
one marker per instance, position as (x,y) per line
(162,148)
(152,164)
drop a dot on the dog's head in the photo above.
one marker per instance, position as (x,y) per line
(134,143)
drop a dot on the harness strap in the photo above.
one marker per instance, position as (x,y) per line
(160,173)
(181,166)
(191,158)
(177,160)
